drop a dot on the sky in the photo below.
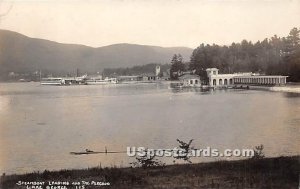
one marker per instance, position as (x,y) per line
(164,23)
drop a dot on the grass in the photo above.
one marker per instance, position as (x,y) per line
(279,172)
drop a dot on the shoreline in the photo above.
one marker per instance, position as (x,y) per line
(284,88)
(291,87)
(278,172)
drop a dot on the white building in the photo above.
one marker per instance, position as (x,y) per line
(216,79)
(222,80)
(190,80)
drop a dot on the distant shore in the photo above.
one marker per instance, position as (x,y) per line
(286,89)
(279,172)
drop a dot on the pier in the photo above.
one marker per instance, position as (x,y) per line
(244,78)
(260,80)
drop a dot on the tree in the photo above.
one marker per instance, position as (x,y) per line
(185,148)
(258,152)
(277,56)
(177,66)
(147,161)
(294,39)
(201,59)
(292,55)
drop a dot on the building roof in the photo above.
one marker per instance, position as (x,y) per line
(259,76)
(208,69)
(147,75)
(189,76)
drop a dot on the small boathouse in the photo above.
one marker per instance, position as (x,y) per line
(190,80)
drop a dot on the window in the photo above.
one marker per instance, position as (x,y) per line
(191,82)
(196,81)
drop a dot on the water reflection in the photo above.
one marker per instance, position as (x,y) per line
(291,95)
(4,103)
(175,88)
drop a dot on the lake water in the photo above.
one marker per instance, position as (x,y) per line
(40,125)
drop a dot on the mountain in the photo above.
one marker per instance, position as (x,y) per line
(19,53)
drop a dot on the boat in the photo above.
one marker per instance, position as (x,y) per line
(99,81)
(52,81)
(82,153)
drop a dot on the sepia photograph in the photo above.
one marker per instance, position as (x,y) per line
(164,94)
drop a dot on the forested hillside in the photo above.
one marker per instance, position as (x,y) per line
(275,55)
